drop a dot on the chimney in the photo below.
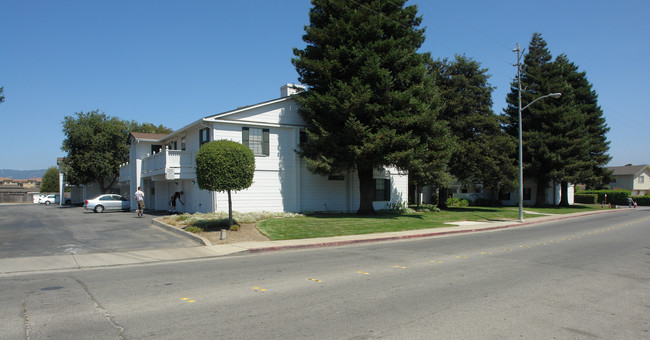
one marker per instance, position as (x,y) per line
(290,89)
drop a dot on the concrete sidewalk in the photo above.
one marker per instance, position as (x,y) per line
(85,261)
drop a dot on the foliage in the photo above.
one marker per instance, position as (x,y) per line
(214,218)
(50,181)
(585,198)
(642,200)
(134,126)
(96,145)
(368,103)
(613,196)
(2,97)
(225,165)
(453,202)
(399,207)
(483,152)
(193,229)
(563,139)
(425,208)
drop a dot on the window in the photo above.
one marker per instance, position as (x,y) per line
(172,145)
(204,136)
(257,140)
(183,144)
(527,194)
(504,196)
(641,179)
(382,190)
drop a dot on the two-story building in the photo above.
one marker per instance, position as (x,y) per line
(164,164)
(635,178)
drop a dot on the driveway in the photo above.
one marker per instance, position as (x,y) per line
(39,230)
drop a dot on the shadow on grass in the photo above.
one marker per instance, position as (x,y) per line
(379,215)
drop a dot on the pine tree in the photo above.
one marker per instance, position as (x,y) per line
(368,102)
(482,152)
(563,139)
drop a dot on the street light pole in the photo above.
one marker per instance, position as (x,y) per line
(521,152)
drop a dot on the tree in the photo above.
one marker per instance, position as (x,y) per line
(50,180)
(96,145)
(225,165)
(563,139)
(483,151)
(2,97)
(368,103)
(134,126)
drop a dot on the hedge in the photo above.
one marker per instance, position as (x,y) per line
(586,198)
(642,200)
(618,197)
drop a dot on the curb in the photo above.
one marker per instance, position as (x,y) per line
(423,235)
(181,232)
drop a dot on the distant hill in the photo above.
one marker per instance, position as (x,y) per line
(22,174)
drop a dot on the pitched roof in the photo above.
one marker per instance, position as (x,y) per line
(627,169)
(151,136)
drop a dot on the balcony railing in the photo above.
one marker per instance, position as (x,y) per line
(173,164)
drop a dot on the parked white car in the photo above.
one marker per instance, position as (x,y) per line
(49,199)
(107,202)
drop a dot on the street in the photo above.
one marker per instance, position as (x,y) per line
(581,278)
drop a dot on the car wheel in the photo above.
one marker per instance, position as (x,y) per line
(47,202)
(99,209)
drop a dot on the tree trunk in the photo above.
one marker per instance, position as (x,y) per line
(540,200)
(417,197)
(564,194)
(442,197)
(229,210)
(366,186)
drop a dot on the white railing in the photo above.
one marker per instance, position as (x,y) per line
(161,162)
(124,172)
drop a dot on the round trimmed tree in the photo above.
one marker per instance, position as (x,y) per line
(224,165)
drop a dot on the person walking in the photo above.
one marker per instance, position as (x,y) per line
(172,202)
(139,197)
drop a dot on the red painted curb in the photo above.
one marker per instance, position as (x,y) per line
(405,237)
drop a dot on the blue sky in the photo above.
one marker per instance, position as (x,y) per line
(173,62)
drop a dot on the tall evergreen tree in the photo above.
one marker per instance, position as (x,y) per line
(483,151)
(368,102)
(563,139)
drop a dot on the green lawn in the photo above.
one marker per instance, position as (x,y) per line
(324,225)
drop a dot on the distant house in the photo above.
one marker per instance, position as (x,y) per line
(164,164)
(634,178)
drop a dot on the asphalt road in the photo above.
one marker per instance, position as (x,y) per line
(39,230)
(585,278)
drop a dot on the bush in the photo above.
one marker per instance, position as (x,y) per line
(618,197)
(642,200)
(424,207)
(586,198)
(457,202)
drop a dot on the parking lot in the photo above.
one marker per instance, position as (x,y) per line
(39,230)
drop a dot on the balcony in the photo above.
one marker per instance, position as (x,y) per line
(172,164)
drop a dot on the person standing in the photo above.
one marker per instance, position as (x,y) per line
(172,202)
(139,197)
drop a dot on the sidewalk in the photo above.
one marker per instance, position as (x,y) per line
(85,261)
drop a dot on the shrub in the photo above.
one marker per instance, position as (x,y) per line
(457,202)
(586,198)
(193,229)
(642,200)
(613,196)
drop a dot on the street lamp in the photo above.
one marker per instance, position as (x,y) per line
(521,152)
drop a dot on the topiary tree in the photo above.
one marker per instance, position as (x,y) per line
(225,165)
